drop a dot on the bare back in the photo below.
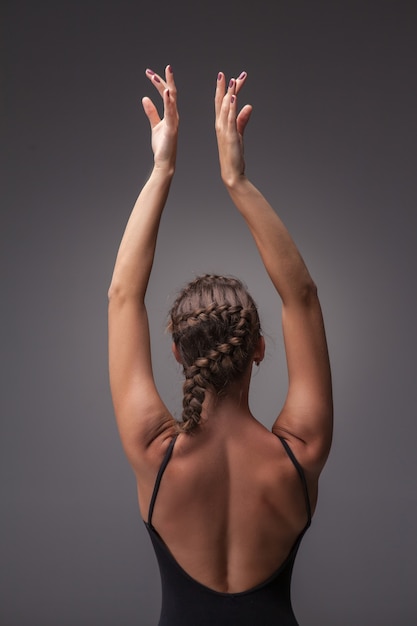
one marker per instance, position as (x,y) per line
(230,505)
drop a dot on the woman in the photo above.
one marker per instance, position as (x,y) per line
(226,502)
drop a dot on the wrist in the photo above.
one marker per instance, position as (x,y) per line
(236,184)
(163,170)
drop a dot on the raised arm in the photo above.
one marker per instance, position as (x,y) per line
(141,415)
(307,415)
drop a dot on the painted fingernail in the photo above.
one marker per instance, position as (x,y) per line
(242,75)
(231,82)
(148,71)
(232,99)
(170,70)
(219,76)
(156,79)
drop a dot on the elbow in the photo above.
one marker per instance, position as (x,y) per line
(120,294)
(309,292)
(305,294)
(309,299)
(117,293)
(113,291)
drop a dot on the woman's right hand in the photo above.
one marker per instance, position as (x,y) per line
(165,130)
(230,127)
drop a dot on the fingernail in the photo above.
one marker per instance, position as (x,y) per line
(156,79)
(219,76)
(148,71)
(243,74)
(231,82)
(170,69)
(232,99)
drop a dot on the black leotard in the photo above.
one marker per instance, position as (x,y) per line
(186,602)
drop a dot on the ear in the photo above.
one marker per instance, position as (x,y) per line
(176,353)
(259,353)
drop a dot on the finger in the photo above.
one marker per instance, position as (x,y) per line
(240,81)
(243,118)
(170,109)
(231,118)
(170,82)
(224,112)
(156,80)
(220,91)
(150,111)
(229,101)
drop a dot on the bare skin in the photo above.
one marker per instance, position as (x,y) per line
(230,488)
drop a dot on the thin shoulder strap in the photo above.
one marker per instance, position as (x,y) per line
(300,473)
(161,470)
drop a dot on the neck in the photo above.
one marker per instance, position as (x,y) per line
(233,401)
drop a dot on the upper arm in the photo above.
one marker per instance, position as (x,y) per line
(307,415)
(140,412)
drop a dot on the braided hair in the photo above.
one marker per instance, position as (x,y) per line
(215,326)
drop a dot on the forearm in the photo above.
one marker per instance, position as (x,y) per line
(137,248)
(278,251)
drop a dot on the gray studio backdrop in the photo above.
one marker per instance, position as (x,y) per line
(332,143)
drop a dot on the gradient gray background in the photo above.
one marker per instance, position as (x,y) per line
(332,144)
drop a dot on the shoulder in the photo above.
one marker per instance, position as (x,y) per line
(146,455)
(311,453)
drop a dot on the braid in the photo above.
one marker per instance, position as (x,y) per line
(215,325)
(194,390)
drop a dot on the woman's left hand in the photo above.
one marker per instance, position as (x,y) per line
(230,126)
(165,130)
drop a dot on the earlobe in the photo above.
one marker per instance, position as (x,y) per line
(176,353)
(259,351)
